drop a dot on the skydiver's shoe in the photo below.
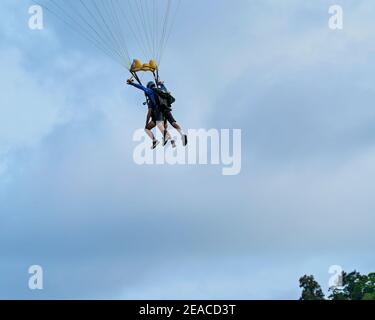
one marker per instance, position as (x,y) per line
(173,143)
(184,140)
(155,143)
(165,142)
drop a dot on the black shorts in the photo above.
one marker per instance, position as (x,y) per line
(169,117)
(157,116)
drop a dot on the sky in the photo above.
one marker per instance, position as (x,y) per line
(73,201)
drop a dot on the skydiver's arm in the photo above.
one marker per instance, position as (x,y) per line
(140,87)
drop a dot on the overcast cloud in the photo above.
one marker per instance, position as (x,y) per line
(73,201)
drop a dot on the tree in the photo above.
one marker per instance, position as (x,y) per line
(369,290)
(355,287)
(311,289)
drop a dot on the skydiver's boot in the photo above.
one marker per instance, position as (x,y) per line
(184,137)
(155,143)
(166,140)
(184,140)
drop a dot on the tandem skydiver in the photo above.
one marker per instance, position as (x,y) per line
(159,111)
(154,115)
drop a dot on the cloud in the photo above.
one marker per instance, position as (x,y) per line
(78,205)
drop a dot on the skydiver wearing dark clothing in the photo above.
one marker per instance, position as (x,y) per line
(168,116)
(156,116)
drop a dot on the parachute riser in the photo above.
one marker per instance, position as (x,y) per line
(135,75)
(156,77)
(137,66)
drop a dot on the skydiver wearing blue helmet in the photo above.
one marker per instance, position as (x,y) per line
(159,113)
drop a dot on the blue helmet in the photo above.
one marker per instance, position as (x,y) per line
(151,85)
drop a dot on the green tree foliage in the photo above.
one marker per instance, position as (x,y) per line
(311,289)
(355,286)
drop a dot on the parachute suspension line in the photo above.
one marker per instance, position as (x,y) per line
(117,26)
(106,22)
(134,13)
(117,21)
(104,26)
(82,32)
(157,27)
(74,20)
(125,17)
(150,10)
(77,26)
(112,25)
(149,13)
(170,28)
(102,36)
(154,26)
(122,28)
(139,23)
(144,23)
(145,10)
(106,42)
(101,10)
(165,24)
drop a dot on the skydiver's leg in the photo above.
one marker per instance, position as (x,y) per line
(173,141)
(178,128)
(151,125)
(160,123)
(184,137)
(164,131)
(173,122)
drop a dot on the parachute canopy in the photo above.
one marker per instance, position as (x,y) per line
(138,66)
(121,28)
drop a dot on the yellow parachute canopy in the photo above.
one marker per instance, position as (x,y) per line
(137,66)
